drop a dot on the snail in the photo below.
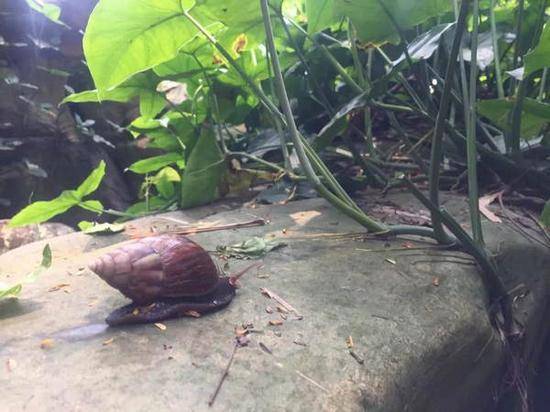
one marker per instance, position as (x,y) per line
(165,276)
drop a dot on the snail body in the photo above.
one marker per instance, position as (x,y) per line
(165,276)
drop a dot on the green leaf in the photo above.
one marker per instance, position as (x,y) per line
(125,37)
(92,205)
(92,182)
(203,173)
(42,211)
(51,11)
(15,290)
(164,182)
(45,264)
(255,247)
(10,291)
(155,163)
(545,217)
(94,228)
(142,84)
(535,114)
(539,58)
(373,24)
(154,203)
(320,15)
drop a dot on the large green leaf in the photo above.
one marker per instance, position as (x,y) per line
(203,173)
(534,116)
(152,164)
(92,182)
(373,24)
(319,15)
(540,56)
(42,211)
(125,37)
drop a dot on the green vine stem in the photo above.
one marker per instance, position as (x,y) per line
(299,146)
(498,73)
(437,142)
(471,149)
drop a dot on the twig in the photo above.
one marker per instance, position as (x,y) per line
(224,375)
(312,381)
(280,300)
(201,229)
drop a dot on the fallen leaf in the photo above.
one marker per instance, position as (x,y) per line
(161,326)
(108,341)
(390,260)
(135,312)
(349,342)
(276,322)
(46,344)
(435,281)
(252,248)
(484,202)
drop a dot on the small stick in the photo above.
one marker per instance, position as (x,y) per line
(265,348)
(222,379)
(280,301)
(200,229)
(312,381)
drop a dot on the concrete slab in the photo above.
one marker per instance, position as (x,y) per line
(417,319)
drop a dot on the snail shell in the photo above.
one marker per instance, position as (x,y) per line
(158,267)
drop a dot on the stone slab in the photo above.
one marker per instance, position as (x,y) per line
(427,344)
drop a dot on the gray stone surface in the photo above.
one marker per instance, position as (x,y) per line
(425,347)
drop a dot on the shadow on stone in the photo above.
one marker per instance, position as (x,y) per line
(11,308)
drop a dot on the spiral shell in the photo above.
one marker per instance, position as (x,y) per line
(152,268)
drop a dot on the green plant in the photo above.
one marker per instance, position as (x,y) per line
(42,211)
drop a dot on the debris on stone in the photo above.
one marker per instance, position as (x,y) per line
(275,322)
(192,314)
(265,348)
(355,356)
(390,260)
(57,287)
(160,326)
(307,378)
(349,342)
(46,343)
(299,342)
(108,341)
(269,309)
(10,364)
(266,292)
(435,281)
